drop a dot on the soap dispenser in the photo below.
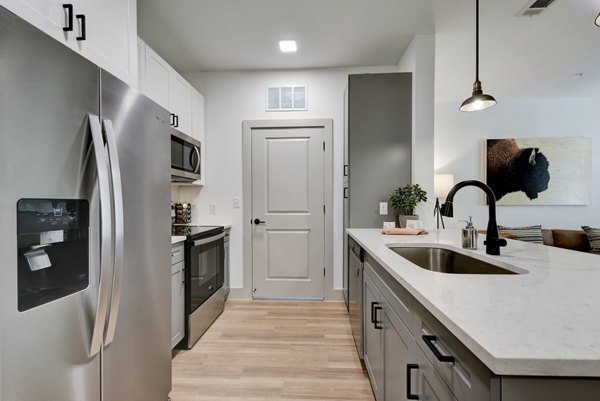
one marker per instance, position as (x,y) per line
(469,235)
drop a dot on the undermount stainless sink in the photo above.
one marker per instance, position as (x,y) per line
(447,261)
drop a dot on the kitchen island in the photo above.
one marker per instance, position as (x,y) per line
(543,321)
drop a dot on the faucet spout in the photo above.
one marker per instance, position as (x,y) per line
(493,241)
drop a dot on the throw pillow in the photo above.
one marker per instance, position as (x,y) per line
(527,234)
(594,238)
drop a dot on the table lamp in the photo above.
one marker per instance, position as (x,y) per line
(442,184)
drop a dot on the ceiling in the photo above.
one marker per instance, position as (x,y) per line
(520,56)
(243,34)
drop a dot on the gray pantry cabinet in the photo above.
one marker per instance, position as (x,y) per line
(410,355)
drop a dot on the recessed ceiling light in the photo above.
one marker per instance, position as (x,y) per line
(288,46)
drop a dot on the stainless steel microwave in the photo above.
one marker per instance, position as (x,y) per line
(186,157)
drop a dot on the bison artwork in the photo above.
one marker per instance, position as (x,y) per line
(514,169)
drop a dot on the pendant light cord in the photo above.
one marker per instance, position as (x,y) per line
(477,40)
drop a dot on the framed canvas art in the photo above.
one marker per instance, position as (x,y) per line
(540,171)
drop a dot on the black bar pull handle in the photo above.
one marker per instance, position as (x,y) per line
(82,36)
(409,394)
(172,119)
(346,192)
(69,20)
(345,170)
(429,341)
(373,304)
(176,121)
(377,322)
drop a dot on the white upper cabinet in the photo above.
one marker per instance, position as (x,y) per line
(103,31)
(197,115)
(155,78)
(198,130)
(180,102)
(161,83)
(111,36)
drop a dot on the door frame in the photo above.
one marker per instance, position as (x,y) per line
(247,127)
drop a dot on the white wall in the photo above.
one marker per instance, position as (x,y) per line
(459,149)
(419,59)
(232,97)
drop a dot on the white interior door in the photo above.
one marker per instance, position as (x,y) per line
(288,249)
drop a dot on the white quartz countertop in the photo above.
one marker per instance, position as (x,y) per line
(177,238)
(542,323)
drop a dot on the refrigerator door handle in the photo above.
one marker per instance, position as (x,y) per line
(105,233)
(117,191)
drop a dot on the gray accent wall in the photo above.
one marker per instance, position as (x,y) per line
(379,144)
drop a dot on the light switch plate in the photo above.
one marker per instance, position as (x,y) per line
(236,202)
(212,208)
(383,208)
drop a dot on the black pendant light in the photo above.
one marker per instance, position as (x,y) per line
(478,100)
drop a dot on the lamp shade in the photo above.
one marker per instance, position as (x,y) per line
(598,20)
(442,184)
(478,100)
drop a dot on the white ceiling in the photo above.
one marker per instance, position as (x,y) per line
(520,56)
(243,34)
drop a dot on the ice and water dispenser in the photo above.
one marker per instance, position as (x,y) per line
(53,249)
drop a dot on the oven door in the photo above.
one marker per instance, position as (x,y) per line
(205,273)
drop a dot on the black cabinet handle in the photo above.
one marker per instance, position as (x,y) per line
(176,120)
(82,35)
(345,170)
(377,323)
(259,221)
(409,394)
(172,119)
(429,341)
(346,192)
(374,308)
(373,311)
(69,24)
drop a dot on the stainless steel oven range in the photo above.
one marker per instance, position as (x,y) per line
(204,278)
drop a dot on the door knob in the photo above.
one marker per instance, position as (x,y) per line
(259,221)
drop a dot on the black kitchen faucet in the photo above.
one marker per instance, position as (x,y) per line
(493,242)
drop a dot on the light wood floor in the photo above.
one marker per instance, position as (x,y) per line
(272,350)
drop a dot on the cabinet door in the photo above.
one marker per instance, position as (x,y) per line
(398,349)
(198,131)
(430,385)
(111,36)
(180,101)
(177,303)
(198,116)
(373,344)
(155,80)
(46,15)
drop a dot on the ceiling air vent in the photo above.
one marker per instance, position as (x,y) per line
(535,7)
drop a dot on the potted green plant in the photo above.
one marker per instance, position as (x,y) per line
(404,200)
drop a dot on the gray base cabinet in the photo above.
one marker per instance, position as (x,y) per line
(410,355)
(177,294)
(397,368)
(373,344)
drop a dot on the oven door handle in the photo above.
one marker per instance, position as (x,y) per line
(204,241)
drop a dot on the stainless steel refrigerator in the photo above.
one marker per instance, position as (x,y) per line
(84,228)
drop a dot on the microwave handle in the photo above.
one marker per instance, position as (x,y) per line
(197,166)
